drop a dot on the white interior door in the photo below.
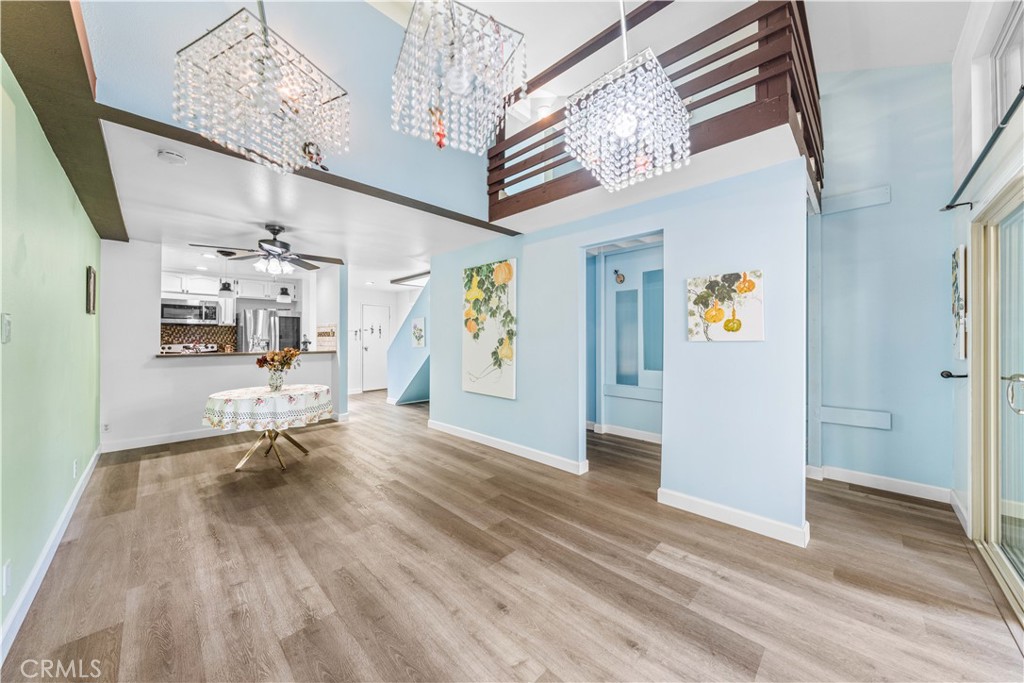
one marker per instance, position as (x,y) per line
(376,334)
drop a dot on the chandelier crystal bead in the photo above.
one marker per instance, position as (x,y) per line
(629,125)
(244,87)
(455,76)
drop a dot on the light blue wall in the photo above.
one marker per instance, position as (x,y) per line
(133,46)
(591,294)
(886,326)
(625,408)
(734,432)
(406,379)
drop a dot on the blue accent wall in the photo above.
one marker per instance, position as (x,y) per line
(735,412)
(886,329)
(134,43)
(408,365)
(591,296)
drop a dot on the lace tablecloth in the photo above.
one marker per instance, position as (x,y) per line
(259,408)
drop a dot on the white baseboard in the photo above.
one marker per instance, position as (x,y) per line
(556,461)
(19,608)
(1012,508)
(161,439)
(590,425)
(158,439)
(639,435)
(961,512)
(392,401)
(354,391)
(877,481)
(780,531)
(815,472)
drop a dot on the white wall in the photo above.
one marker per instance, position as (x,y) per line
(148,400)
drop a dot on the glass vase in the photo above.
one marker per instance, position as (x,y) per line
(276,380)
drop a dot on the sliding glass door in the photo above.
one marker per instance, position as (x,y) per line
(997,362)
(1010,366)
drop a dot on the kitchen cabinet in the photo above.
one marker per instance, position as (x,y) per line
(202,284)
(254,289)
(172,282)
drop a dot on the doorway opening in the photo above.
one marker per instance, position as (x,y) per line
(376,337)
(625,357)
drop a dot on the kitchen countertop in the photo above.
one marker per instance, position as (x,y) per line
(220,354)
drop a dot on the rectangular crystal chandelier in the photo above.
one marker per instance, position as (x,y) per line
(243,86)
(630,124)
(455,74)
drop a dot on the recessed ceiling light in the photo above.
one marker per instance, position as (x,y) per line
(369,283)
(209,256)
(172,158)
(201,268)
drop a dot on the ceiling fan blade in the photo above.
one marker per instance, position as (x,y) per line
(305,265)
(245,257)
(210,246)
(322,259)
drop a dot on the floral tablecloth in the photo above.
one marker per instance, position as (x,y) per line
(259,408)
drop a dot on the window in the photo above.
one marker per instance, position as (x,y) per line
(626,338)
(654,318)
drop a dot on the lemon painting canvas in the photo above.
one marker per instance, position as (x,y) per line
(489,329)
(727,307)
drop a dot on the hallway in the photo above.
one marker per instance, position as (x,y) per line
(397,553)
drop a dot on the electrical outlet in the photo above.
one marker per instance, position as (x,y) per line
(74,468)
(7,577)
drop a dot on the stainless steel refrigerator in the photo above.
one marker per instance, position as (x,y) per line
(264,329)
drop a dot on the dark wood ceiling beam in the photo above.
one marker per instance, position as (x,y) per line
(56,75)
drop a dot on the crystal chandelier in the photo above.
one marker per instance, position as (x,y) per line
(630,124)
(455,75)
(244,87)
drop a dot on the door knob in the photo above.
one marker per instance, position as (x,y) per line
(1012,381)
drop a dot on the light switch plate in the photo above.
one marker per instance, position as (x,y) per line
(5,328)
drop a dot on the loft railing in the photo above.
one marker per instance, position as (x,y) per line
(747,74)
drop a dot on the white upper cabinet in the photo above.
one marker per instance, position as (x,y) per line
(254,289)
(172,282)
(202,284)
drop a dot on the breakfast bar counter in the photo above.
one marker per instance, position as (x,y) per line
(218,354)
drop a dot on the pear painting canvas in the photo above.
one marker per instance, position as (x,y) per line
(727,307)
(489,329)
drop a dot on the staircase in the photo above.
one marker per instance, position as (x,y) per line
(409,366)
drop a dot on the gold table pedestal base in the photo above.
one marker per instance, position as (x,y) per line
(271,435)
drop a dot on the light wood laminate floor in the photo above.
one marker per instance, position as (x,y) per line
(395,553)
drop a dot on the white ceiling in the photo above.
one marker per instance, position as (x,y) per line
(849,36)
(845,35)
(221,200)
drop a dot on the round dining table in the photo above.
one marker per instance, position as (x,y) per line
(269,412)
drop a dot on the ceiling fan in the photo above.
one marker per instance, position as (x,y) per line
(275,256)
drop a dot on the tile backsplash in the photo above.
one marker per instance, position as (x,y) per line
(221,335)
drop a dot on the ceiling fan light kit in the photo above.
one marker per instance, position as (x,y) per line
(244,87)
(455,73)
(630,124)
(273,256)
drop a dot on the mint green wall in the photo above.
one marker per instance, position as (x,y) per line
(50,369)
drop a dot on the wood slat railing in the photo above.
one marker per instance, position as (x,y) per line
(762,50)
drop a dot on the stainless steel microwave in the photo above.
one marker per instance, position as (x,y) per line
(189,312)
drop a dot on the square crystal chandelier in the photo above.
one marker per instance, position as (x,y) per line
(629,125)
(244,87)
(455,76)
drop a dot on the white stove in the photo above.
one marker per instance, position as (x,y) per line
(182,349)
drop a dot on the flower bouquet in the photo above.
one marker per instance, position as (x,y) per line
(279,362)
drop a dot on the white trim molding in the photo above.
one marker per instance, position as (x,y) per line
(549,459)
(780,531)
(962,512)
(628,432)
(19,608)
(816,473)
(392,401)
(161,439)
(877,481)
